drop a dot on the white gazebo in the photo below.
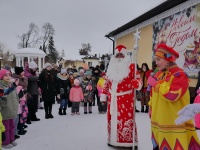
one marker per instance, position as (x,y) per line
(31,54)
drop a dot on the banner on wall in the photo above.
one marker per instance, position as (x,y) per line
(182,32)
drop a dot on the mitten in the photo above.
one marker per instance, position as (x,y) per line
(188,112)
(58,96)
(20,94)
(3,136)
(151,81)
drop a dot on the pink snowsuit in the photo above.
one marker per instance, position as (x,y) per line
(197,117)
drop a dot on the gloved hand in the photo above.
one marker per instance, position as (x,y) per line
(151,81)
(188,112)
(3,136)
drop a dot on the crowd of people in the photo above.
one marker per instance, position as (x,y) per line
(160,91)
(22,91)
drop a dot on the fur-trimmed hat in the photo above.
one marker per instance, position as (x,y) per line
(32,65)
(47,65)
(63,71)
(3,72)
(166,52)
(120,49)
(18,70)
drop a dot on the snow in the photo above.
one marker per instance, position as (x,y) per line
(74,57)
(29,51)
(84,132)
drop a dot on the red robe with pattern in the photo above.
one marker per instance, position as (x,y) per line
(120,115)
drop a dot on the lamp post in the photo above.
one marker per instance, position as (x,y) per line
(135,51)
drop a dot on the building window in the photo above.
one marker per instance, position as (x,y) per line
(89,64)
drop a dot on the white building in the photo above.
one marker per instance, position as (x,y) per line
(26,55)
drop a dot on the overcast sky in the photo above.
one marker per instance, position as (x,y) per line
(75,21)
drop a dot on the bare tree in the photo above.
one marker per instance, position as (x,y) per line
(85,49)
(30,38)
(2,49)
(5,55)
(48,31)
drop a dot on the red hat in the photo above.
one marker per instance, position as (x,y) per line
(3,72)
(120,49)
(166,52)
(103,74)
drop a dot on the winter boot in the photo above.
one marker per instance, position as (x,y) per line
(60,111)
(142,109)
(64,111)
(51,116)
(9,146)
(14,143)
(136,110)
(46,116)
(147,109)
(85,109)
(90,109)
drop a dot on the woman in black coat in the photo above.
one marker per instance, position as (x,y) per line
(47,82)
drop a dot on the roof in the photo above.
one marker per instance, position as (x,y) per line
(90,57)
(151,13)
(73,57)
(30,51)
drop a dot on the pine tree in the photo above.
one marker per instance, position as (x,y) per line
(63,53)
(53,53)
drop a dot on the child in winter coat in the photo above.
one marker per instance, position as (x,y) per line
(22,94)
(87,86)
(76,96)
(22,108)
(63,89)
(102,107)
(197,117)
(9,106)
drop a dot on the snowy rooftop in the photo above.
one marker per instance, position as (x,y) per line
(73,57)
(29,51)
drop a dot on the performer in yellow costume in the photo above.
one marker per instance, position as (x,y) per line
(169,94)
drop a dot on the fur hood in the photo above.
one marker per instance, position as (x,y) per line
(62,77)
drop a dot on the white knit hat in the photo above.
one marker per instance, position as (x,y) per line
(32,65)
(81,71)
(63,71)
(47,65)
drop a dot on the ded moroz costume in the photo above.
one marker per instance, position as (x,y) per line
(119,88)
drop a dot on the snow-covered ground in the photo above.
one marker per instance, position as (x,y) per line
(84,132)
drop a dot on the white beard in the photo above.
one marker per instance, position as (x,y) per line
(118,68)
